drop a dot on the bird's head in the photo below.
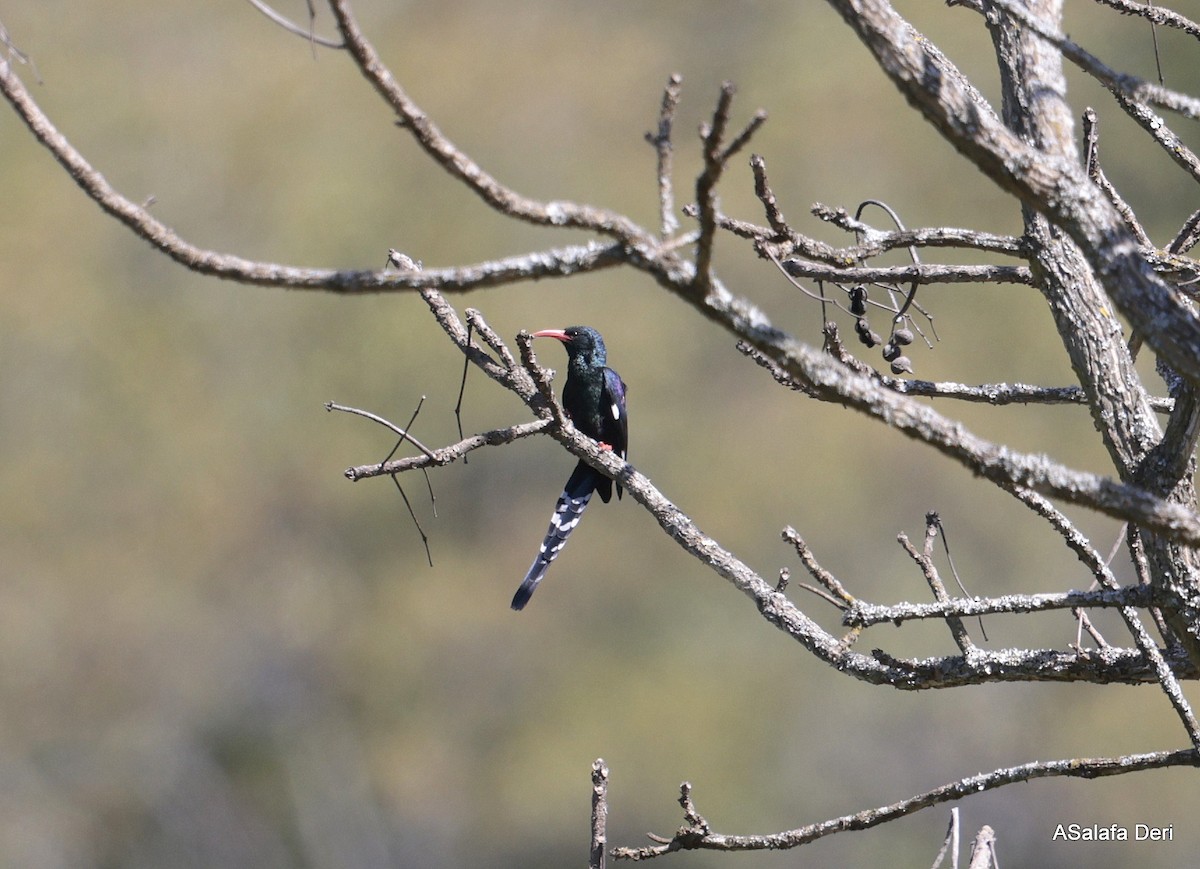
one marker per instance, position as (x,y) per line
(584,344)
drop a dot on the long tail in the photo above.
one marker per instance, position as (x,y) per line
(571,504)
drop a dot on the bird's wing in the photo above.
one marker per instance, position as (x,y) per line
(616,419)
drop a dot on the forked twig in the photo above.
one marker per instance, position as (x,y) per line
(403,433)
(291,27)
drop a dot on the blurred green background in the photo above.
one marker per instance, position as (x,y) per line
(215,651)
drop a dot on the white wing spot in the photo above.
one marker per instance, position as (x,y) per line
(616,411)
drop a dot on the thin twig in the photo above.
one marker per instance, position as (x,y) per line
(711,134)
(292,27)
(451,453)
(1085,624)
(462,388)
(553,263)
(864,614)
(923,560)
(842,598)
(935,521)
(949,843)
(664,148)
(1141,566)
(1100,569)
(416,521)
(1156,15)
(1188,235)
(929,273)
(716,153)
(1091,134)
(541,379)
(404,435)
(597,855)
(407,428)
(1123,84)
(11,52)
(762,189)
(459,165)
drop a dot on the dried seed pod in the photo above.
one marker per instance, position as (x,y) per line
(902,337)
(902,365)
(890,351)
(858,300)
(861,326)
(875,339)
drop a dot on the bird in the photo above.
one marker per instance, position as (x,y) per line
(594,400)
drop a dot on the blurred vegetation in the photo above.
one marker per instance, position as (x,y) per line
(217,652)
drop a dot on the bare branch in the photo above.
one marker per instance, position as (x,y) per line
(1155,14)
(998,394)
(554,263)
(1188,235)
(924,561)
(919,273)
(694,837)
(507,373)
(872,241)
(950,843)
(983,849)
(1100,569)
(664,148)
(775,607)
(499,197)
(1091,134)
(820,574)
(833,381)
(1129,86)
(1057,188)
(597,858)
(863,614)
(716,155)
(1168,141)
(452,453)
(541,381)
(762,189)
